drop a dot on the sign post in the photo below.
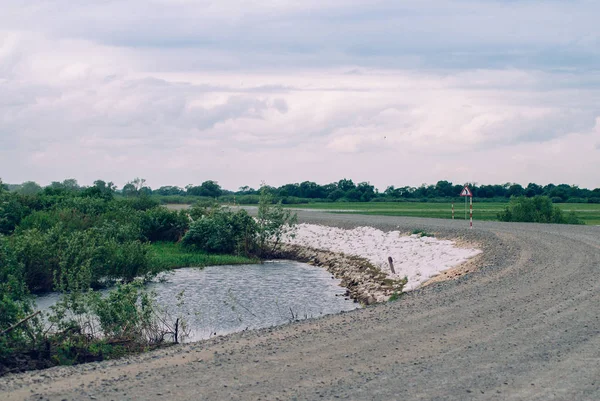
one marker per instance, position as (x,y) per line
(466,192)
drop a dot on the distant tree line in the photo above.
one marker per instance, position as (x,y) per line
(308,191)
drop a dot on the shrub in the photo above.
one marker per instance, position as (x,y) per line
(126,313)
(15,302)
(12,211)
(273,223)
(36,251)
(203,208)
(161,224)
(223,231)
(538,209)
(100,255)
(142,202)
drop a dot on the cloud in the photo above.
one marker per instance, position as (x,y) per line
(183,91)
(431,33)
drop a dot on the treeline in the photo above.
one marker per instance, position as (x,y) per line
(308,191)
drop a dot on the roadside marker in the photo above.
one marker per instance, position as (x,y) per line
(466,192)
(471,218)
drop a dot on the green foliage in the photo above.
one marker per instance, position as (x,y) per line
(208,188)
(99,255)
(161,224)
(421,233)
(141,203)
(15,302)
(12,211)
(87,326)
(126,313)
(538,209)
(36,250)
(29,188)
(203,208)
(223,231)
(101,190)
(273,223)
(395,296)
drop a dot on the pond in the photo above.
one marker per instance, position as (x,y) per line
(219,300)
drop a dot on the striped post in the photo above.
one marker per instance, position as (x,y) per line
(452,210)
(471,217)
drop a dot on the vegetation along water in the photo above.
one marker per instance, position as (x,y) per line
(73,240)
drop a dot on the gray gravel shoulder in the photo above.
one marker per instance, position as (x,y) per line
(525,325)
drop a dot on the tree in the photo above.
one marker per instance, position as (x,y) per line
(136,187)
(366,190)
(170,190)
(210,188)
(346,185)
(533,190)
(100,189)
(444,188)
(515,190)
(30,188)
(273,223)
(207,188)
(246,190)
(129,190)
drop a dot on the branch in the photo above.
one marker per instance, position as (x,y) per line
(11,328)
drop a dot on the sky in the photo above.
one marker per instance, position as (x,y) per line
(242,92)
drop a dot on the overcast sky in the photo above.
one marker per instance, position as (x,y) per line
(387,91)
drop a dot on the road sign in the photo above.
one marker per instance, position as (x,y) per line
(466,192)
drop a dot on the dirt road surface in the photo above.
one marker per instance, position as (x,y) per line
(524,326)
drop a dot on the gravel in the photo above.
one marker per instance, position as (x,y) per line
(524,325)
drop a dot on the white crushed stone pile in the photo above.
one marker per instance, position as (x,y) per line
(417,258)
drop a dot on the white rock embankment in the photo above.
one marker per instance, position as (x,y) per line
(360,257)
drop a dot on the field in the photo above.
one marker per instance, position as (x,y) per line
(589,213)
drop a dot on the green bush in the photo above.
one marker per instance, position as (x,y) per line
(107,254)
(223,231)
(273,223)
(203,208)
(142,202)
(161,224)
(37,252)
(12,211)
(15,302)
(126,313)
(538,209)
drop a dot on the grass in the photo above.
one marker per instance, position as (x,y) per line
(168,255)
(421,233)
(395,296)
(587,212)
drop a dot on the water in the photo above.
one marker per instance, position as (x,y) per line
(225,299)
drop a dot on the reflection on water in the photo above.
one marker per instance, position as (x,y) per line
(224,299)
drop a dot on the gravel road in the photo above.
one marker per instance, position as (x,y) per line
(525,326)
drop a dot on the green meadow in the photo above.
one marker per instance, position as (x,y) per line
(588,212)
